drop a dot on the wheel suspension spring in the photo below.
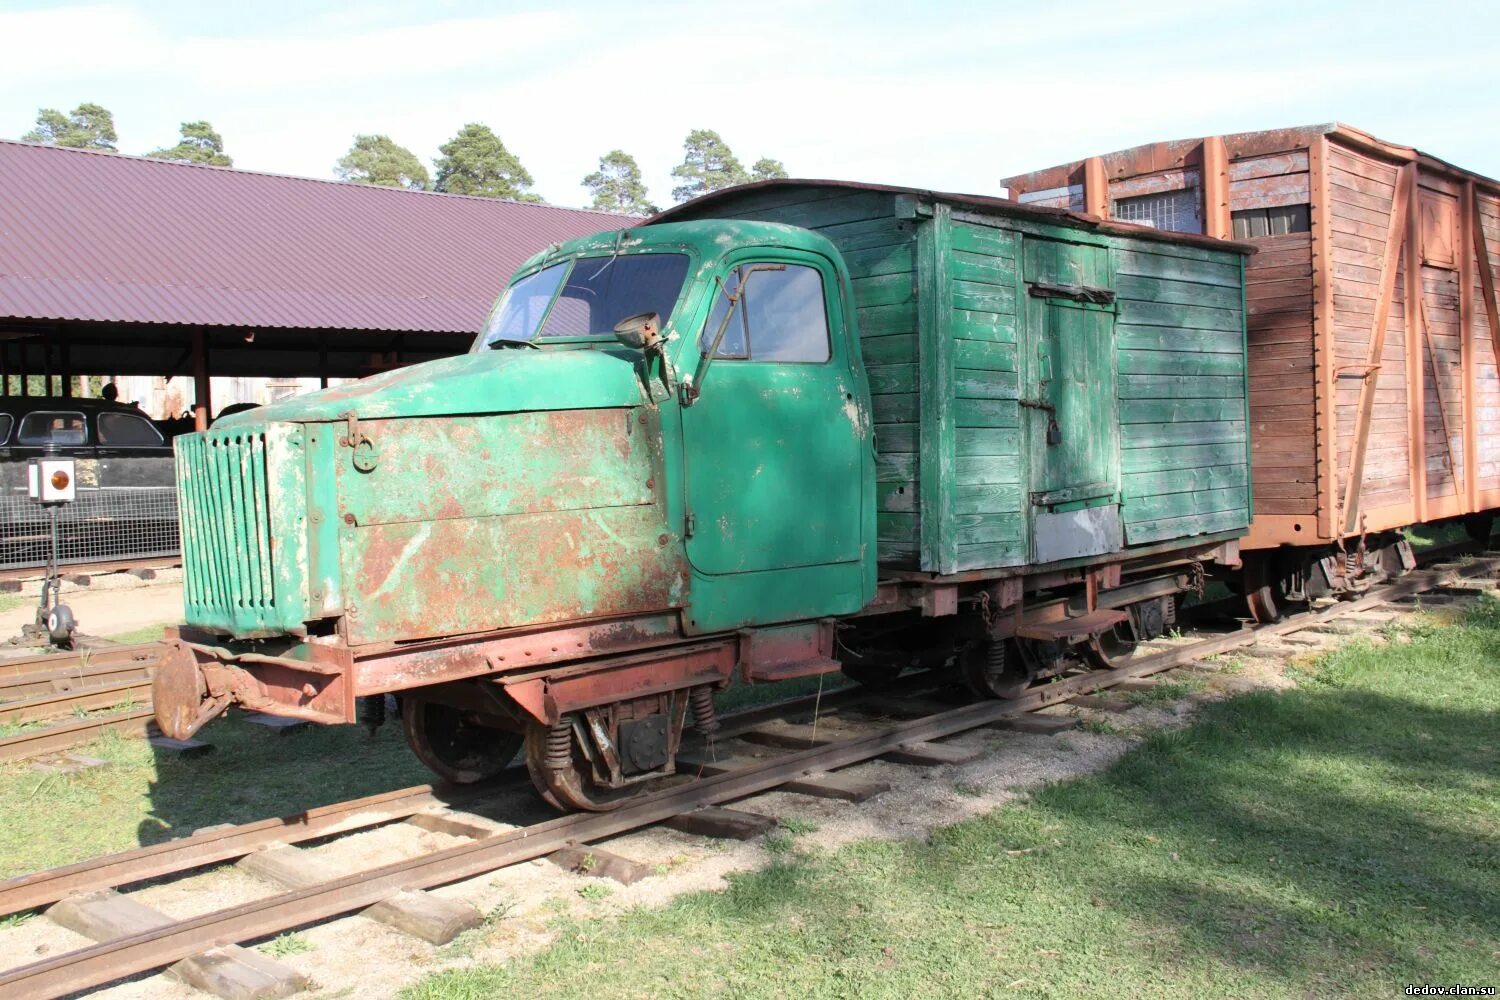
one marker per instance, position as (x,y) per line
(702,699)
(994,658)
(372,711)
(560,745)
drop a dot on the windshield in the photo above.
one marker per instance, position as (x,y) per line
(598,293)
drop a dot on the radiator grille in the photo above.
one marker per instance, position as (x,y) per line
(227,548)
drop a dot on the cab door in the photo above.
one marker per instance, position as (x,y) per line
(1069,403)
(775,440)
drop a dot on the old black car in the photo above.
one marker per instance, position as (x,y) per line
(126,504)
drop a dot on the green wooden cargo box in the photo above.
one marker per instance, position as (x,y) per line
(1046,386)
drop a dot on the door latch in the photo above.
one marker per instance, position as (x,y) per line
(689,525)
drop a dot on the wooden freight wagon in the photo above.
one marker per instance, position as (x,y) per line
(1048,390)
(1373,320)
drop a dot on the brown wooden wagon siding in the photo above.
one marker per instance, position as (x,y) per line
(1373,321)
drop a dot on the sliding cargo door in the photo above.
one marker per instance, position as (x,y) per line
(1068,401)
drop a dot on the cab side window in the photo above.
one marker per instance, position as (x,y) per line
(781,317)
(126,430)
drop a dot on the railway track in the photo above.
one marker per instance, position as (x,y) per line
(806,767)
(74,693)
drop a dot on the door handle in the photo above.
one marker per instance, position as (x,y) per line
(1037,404)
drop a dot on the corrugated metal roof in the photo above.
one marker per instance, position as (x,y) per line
(103,237)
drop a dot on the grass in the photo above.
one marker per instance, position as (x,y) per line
(149,633)
(10,602)
(143,796)
(1338,839)
(286,944)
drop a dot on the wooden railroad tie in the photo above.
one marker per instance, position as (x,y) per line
(229,971)
(1099,703)
(727,824)
(434,919)
(842,787)
(595,862)
(801,737)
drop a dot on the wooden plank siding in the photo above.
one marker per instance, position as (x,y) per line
(940,299)
(1486,209)
(1183,455)
(985,287)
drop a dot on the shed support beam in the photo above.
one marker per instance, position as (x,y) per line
(201,386)
(1217,221)
(1095,188)
(1416,381)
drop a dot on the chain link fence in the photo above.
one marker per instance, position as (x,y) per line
(100,525)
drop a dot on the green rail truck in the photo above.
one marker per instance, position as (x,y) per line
(783,429)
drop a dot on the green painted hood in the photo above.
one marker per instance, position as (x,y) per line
(512,380)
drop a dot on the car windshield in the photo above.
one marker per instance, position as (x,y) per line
(598,293)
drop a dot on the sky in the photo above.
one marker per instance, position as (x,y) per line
(943,95)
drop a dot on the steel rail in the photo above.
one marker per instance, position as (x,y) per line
(61,704)
(216,844)
(133,723)
(60,681)
(169,857)
(152,949)
(82,660)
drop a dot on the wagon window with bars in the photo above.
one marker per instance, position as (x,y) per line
(781,317)
(1171,211)
(1256,223)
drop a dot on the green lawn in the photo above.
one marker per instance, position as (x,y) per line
(143,796)
(1341,839)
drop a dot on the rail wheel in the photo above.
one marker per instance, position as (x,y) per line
(1265,589)
(992,669)
(452,745)
(1480,527)
(597,759)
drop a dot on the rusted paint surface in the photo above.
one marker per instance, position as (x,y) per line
(774,654)
(430,578)
(398,668)
(500,464)
(550,695)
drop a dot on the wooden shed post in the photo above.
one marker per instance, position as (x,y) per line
(1466,336)
(939,545)
(323,359)
(1217,221)
(201,385)
(1095,188)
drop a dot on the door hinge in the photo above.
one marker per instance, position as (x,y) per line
(689,525)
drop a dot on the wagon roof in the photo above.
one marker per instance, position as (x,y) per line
(984,203)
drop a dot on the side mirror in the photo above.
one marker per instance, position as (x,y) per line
(641,331)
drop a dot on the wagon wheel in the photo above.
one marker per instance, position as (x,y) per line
(453,746)
(1106,650)
(563,774)
(1265,589)
(992,670)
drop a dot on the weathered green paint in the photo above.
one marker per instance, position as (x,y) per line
(949,331)
(516,486)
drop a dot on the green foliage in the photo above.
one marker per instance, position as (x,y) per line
(617,185)
(378,160)
(476,162)
(286,944)
(595,891)
(767,169)
(88,126)
(708,164)
(200,144)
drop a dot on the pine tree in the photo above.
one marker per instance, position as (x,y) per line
(200,144)
(476,162)
(378,160)
(617,185)
(88,126)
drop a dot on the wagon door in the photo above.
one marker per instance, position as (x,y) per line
(1068,401)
